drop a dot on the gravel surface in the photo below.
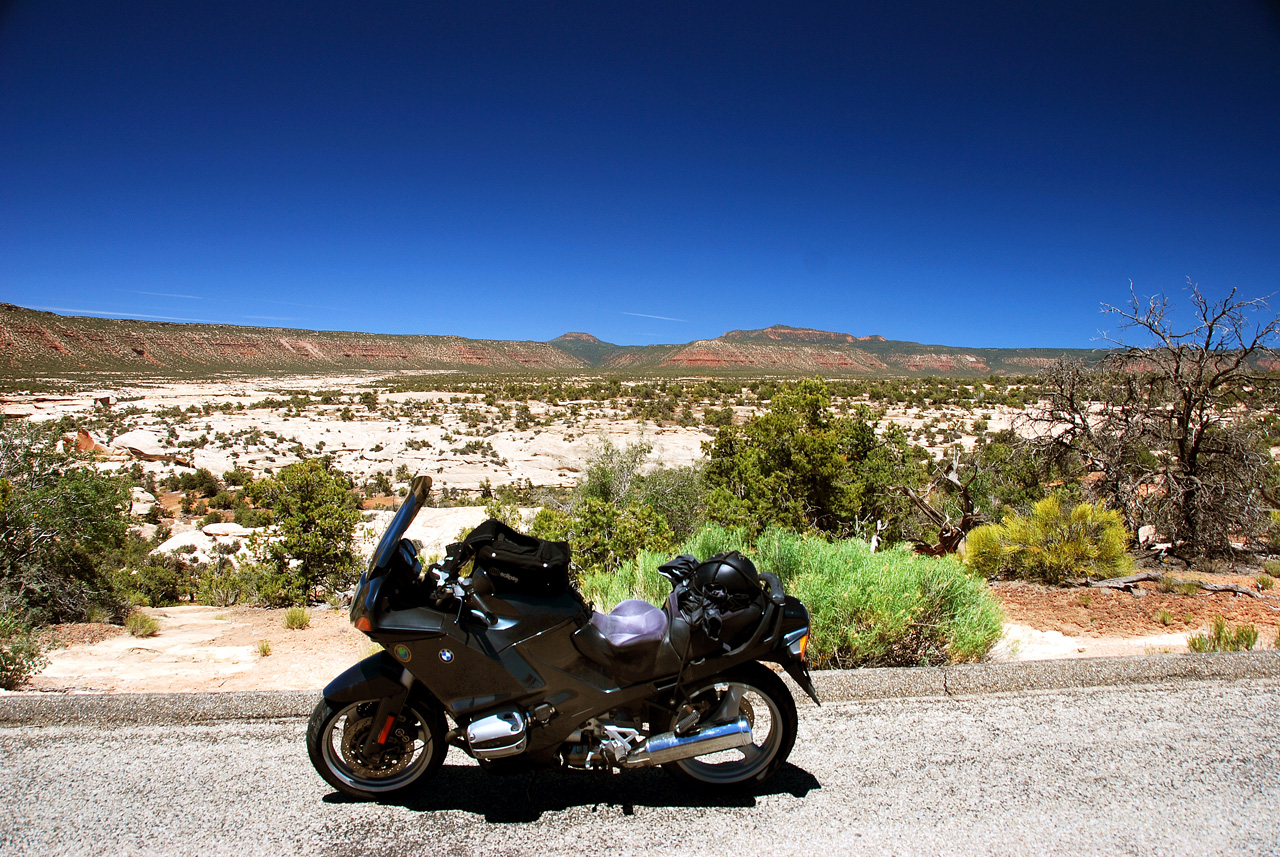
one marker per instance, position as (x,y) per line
(1174,767)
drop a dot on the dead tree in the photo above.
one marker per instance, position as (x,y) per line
(1165,422)
(950,533)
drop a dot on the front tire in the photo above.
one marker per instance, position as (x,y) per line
(768,707)
(414,749)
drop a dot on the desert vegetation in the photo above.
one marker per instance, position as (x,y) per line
(894,499)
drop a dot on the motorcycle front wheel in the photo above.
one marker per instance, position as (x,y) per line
(760,696)
(413,751)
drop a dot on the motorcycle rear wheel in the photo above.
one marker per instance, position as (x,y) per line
(414,749)
(771,711)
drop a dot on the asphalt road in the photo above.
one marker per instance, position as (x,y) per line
(1179,767)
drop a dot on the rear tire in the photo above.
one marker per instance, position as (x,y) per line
(769,708)
(414,749)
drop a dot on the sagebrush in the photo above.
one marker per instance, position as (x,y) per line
(1052,544)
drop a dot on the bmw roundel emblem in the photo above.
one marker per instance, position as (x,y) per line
(446,655)
(402,652)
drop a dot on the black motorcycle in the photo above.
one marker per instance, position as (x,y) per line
(495,639)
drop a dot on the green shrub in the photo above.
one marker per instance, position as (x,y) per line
(156,581)
(201,483)
(890,608)
(316,519)
(802,468)
(1223,638)
(297,618)
(222,588)
(1272,567)
(1266,581)
(269,586)
(1052,543)
(247,516)
(21,654)
(61,526)
(139,624)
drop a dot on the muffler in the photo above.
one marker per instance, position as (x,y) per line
(670,747)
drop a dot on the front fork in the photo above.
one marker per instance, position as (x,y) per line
(384,718)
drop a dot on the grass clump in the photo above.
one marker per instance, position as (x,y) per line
(1223,638)
(890,608)
(264,648)
(139,624)
(1052,544)
(1266,581)
(21,654)
(1164,617)
(297,618)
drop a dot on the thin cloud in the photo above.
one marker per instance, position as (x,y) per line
(291,303)
(163,295)
(270,317)
(658,317)
(122,314)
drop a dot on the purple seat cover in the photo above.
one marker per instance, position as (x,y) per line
(631,623)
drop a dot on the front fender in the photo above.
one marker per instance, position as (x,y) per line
(376,677)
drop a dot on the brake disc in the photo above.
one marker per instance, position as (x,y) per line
(391,758)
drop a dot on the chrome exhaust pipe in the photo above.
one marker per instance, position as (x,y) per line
(670,747)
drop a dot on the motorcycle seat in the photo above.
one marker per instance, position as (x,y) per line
(626,640)
(631,623)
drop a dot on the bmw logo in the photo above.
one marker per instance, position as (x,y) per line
(446,655)
(402,652)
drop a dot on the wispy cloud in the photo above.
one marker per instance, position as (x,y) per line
(291,303)
(81,311)
(659,317)
(270,317)
(164,295)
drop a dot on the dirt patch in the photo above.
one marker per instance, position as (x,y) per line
(207,649)
(82,634)
(1082,612)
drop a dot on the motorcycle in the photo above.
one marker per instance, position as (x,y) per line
(495,640)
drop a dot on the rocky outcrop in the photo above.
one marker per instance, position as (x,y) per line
(783,333)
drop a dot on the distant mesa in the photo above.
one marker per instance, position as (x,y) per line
(577,336)
(784,333)
(40,343)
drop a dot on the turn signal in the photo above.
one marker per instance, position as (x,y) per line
(363,624)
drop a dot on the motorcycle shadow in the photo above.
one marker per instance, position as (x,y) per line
(517,798)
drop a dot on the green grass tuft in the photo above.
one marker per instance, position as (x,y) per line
(1223,638)
(297,618)
(139,624)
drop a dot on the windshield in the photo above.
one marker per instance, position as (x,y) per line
(417,497)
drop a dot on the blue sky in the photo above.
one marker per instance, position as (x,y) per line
(970,174)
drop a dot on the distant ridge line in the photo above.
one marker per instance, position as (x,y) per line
(42,342)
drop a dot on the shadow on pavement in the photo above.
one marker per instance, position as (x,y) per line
(523,797)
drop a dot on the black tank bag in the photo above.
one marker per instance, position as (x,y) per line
(517,564)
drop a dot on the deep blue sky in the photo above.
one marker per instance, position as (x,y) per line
(960,173)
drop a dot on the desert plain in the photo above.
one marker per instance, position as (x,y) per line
(381,428)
